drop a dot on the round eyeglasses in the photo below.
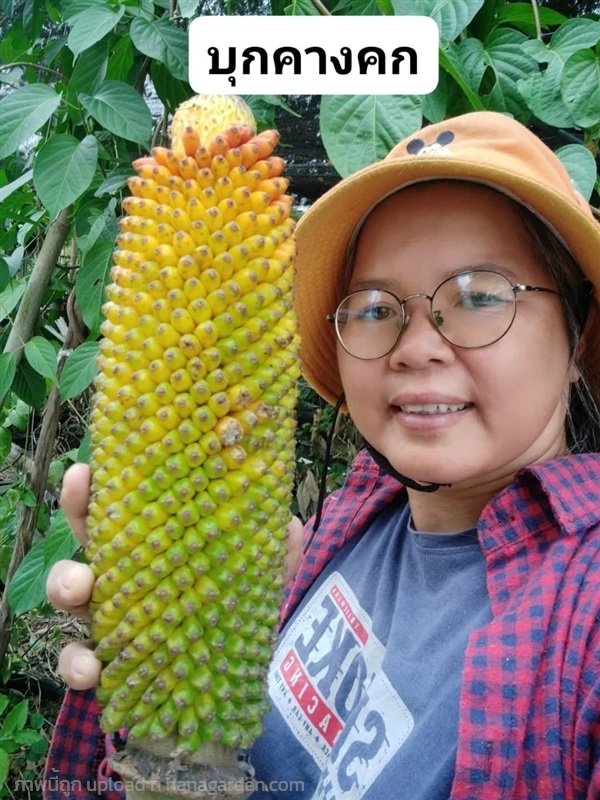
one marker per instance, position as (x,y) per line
(472,309)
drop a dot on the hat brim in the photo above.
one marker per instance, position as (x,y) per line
(326,229)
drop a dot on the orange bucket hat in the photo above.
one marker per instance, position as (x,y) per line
(483,147)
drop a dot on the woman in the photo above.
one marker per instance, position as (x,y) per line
(440,637)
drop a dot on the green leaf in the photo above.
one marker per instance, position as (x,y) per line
(504,54)
(4,767)
(4,274)
(91,279)
(264,108)
(149,36)
(6,191)
(84,452)
(42,357)
(160,39)
(14,261)
(451,62)
(358,130)
(16,718)
(18,416)
(5,445)
(541,91)
(4,701)
(301,8)
(71,9)
(79,370)
(96,222)
(33,19)
(117,107)
(63,170)
(56,471)
(362,8)
(177,53)
(580,87)
(574,35)
(90,69)
(27,737)
(36,720)
(521,15)
(114,181)
(29,386)
(7,372)
(435,104)
(580,165)
(452,16)
(187,8)
(92,25)
(27,587)
(59,542)
(9,298)
(23,112)
(171,91)
(121,59)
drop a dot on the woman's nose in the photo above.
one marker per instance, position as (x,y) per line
(420,341)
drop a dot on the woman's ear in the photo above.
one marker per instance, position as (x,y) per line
(574,373)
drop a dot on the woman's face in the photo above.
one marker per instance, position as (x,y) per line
(512,394)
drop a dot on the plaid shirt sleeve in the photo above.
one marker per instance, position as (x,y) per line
(74,765)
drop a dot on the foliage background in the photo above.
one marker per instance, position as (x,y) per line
(85,87)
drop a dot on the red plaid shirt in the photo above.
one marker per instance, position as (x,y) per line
(530,703)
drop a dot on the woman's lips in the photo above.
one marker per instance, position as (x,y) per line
(430,416)
(432,408)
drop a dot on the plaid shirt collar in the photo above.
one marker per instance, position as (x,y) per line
(541,496)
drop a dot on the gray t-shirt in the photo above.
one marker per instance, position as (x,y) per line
(366,677)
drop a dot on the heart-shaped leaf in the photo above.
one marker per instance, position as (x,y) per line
(452,16)
(63,170)
(23,112)
(580,87)
(92,25)
(117,107)
(79,370)
(360,129)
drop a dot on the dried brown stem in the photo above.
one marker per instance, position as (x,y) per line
(153,771)
(29,308)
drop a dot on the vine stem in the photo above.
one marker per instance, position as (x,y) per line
(536,17)
(321,8)
(35,66)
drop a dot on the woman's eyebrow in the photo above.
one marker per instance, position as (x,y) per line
(373,283)
(490,265)
(392,285)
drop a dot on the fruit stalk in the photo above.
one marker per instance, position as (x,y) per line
(192,430)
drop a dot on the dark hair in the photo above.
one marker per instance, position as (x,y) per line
(576,293)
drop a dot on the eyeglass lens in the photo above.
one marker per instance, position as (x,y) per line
(472,309)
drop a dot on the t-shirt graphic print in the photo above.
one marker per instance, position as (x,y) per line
(328,684)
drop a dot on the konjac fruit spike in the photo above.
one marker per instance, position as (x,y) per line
(192,431)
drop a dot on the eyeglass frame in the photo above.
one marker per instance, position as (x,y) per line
(516,288)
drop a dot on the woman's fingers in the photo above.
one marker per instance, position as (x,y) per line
(294,543)
(69,587)
(74,499)
(78,666)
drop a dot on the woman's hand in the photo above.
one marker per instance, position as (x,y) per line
(69,585)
